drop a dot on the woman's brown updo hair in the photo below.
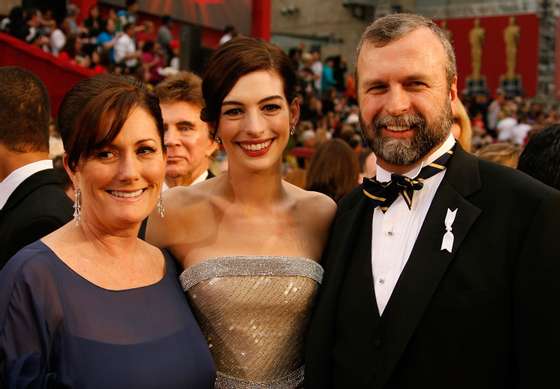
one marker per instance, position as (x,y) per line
(233,60)
(94,111)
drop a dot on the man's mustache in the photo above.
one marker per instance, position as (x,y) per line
(405,121)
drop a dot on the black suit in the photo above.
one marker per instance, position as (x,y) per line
(37,207)
(483,316)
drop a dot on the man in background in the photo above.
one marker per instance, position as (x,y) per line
(32,199)
(187,138)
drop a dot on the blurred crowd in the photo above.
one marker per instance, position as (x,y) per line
(115,41)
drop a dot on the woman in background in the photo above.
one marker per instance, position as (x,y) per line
(91,305)
(503,153)
(334,169)
(249,242)
(461,127)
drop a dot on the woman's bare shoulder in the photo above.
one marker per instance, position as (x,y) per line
(314,206)
(183,207)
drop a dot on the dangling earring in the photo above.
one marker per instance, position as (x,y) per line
(292,130)
(78,207)
(160,207)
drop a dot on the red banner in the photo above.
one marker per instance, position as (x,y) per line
(493,62)
(57,75)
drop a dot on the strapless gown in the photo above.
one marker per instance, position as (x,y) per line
(253,311)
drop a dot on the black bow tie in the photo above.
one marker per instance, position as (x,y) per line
(384,193)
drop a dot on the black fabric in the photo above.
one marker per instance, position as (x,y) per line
(57,329)
(37,207)
(142,231)
(483,316)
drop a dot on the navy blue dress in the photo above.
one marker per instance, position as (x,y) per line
(59,330)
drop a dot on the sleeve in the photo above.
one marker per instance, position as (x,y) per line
(536,297)
(25,327)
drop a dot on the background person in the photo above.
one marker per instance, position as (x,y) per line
(91,305)
(334,169)
(461,127)
(502,153)
(188,141)
(541,157)
(249,241)
(32,198)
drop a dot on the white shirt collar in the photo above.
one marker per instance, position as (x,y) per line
(383,175)
(15,178)
(200,178)
(197,180)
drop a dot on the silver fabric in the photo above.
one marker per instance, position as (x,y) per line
(292,380)
(253,311)
(251,266)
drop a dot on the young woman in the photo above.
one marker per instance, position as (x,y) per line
(91,305)
(249,242)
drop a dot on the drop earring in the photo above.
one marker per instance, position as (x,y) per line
(78,207)
(160,207)
(292,130)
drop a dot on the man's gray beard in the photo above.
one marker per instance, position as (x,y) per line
(408,151)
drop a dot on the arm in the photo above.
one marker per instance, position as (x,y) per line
(26,325)
(319,340)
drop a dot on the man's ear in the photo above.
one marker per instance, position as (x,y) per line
(453,89)
(453,96)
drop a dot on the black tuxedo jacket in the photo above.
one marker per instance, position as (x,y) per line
(483,316)
(37,207)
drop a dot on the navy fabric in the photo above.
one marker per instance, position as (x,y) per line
(57,329)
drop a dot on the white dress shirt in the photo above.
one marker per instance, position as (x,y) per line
(124,46)
(197,180)
(394,232)
(15,178)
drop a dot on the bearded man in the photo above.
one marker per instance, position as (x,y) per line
(442,271)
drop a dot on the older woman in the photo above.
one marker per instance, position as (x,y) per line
(249,241)
(91,305)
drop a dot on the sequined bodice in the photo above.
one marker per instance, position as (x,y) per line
(253,312)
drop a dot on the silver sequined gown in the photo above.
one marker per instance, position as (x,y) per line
(254,311)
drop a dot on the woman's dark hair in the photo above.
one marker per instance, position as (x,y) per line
(236,58)
(541,157)
(93,112)
(334,169)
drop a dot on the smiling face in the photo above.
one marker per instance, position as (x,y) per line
(120,183)
(404,98)
(189,146)
(255,121)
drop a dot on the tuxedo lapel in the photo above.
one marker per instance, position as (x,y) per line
(31,184)
(427,262)
(344,238)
